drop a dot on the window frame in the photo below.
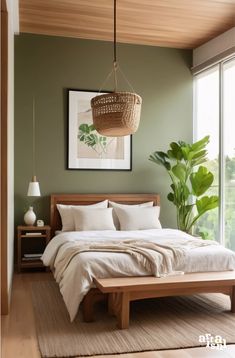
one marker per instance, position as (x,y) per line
(221,160)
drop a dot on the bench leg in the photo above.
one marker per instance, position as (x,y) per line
(119,305)
(124,313)
(111,304)
(93,296)
(233,300)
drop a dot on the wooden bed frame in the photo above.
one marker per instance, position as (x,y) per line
(120,291)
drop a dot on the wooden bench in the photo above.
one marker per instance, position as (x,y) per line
(123,290)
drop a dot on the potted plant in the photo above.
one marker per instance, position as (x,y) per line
(190,180)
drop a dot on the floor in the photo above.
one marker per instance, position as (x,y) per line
(19,333)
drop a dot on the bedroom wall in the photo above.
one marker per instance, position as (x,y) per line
(46,66)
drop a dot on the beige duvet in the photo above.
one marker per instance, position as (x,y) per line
(77,257)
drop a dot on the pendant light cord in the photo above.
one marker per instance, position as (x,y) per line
(115,44)
(115,31)
(34,166)
(116,66)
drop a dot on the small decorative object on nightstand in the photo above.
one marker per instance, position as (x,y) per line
(30,217)
(40,223)
(31,242)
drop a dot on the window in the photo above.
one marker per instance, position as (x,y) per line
(229,153)
(214,115)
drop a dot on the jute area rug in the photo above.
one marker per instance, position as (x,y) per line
(156,324)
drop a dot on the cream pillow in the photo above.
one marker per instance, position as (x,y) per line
(93,219)
(67,215)
(114,205)
(139,218)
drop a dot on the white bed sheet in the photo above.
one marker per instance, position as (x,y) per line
(78,277)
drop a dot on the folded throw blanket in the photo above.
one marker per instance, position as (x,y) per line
(159,260)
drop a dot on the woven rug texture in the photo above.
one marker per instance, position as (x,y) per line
(155,324)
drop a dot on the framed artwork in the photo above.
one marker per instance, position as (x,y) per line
(87,149)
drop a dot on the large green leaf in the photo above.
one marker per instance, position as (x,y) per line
(170,154)
(193,155)
(171,197)
(162,155)
(155,158)
(199,158)
(179,170)
(200,154)
(197,162)
(160,158)
(201,144)
(207,203)
(201,181)
(185,151)
(176,151)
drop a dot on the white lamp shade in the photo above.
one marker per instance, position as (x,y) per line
(34,189)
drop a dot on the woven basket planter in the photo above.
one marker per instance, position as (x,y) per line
(116,114)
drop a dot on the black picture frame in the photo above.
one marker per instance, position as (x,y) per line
(117,154)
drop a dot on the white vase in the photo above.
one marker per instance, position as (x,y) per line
(30,217)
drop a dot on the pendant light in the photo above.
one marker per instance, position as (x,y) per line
(34,189)
(116,114)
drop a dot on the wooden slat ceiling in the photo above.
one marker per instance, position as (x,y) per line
(169,23)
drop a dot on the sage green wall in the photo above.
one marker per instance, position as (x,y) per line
(46,66)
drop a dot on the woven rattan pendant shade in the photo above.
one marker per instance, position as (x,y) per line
(116,114)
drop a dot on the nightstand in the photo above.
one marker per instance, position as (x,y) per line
(31,242)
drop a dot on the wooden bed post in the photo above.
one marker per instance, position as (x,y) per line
(93,296)
(233,300)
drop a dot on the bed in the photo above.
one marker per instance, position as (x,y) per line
(77,280)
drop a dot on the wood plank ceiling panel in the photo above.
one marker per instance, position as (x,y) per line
(170,23)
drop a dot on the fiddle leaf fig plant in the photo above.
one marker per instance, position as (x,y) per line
(190,180)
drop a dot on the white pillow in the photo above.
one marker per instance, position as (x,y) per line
(93,219)
(67,215)
(139,218)
(114,205)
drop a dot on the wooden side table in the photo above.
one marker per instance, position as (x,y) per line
(25,258)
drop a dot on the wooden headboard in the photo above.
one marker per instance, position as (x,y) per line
(87,199)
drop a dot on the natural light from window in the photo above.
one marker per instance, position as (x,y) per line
(214,89)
